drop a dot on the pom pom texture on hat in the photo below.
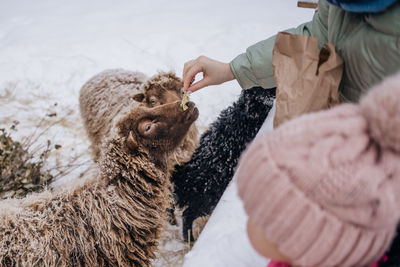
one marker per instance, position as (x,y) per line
(381,108)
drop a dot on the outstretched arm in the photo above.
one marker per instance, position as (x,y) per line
(254,67)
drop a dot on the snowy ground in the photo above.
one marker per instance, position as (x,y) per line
(48,49)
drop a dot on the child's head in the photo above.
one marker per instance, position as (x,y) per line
(324,189)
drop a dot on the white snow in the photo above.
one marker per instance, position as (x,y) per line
(48,49)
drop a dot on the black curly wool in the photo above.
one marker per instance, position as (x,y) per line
(200,183)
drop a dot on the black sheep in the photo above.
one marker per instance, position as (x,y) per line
(200,183)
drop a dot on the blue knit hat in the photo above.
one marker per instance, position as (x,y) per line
(362,6)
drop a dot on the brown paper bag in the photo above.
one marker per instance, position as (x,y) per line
(307,79)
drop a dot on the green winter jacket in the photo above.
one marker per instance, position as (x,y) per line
(369,45)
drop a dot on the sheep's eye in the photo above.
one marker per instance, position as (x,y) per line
(153,100)
(148,127)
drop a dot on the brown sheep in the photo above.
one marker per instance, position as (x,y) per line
(108,94)
(111,219)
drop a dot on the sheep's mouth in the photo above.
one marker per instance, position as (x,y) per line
(192,113)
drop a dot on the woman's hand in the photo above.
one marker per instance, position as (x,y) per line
(214,72)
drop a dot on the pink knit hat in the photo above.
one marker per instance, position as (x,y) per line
(325,187)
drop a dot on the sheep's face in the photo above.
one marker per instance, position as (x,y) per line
(158,130)
(161,89)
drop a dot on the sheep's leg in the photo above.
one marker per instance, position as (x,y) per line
(200,183)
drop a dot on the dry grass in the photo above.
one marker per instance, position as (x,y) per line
(20,171)
(22,163)
(173,248)
(49,130)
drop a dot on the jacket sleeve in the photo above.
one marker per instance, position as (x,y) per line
(254,68)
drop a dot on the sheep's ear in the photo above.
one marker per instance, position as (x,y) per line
(175,83)
(131,142)
(139,97)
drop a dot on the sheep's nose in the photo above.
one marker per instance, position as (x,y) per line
(190,104)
